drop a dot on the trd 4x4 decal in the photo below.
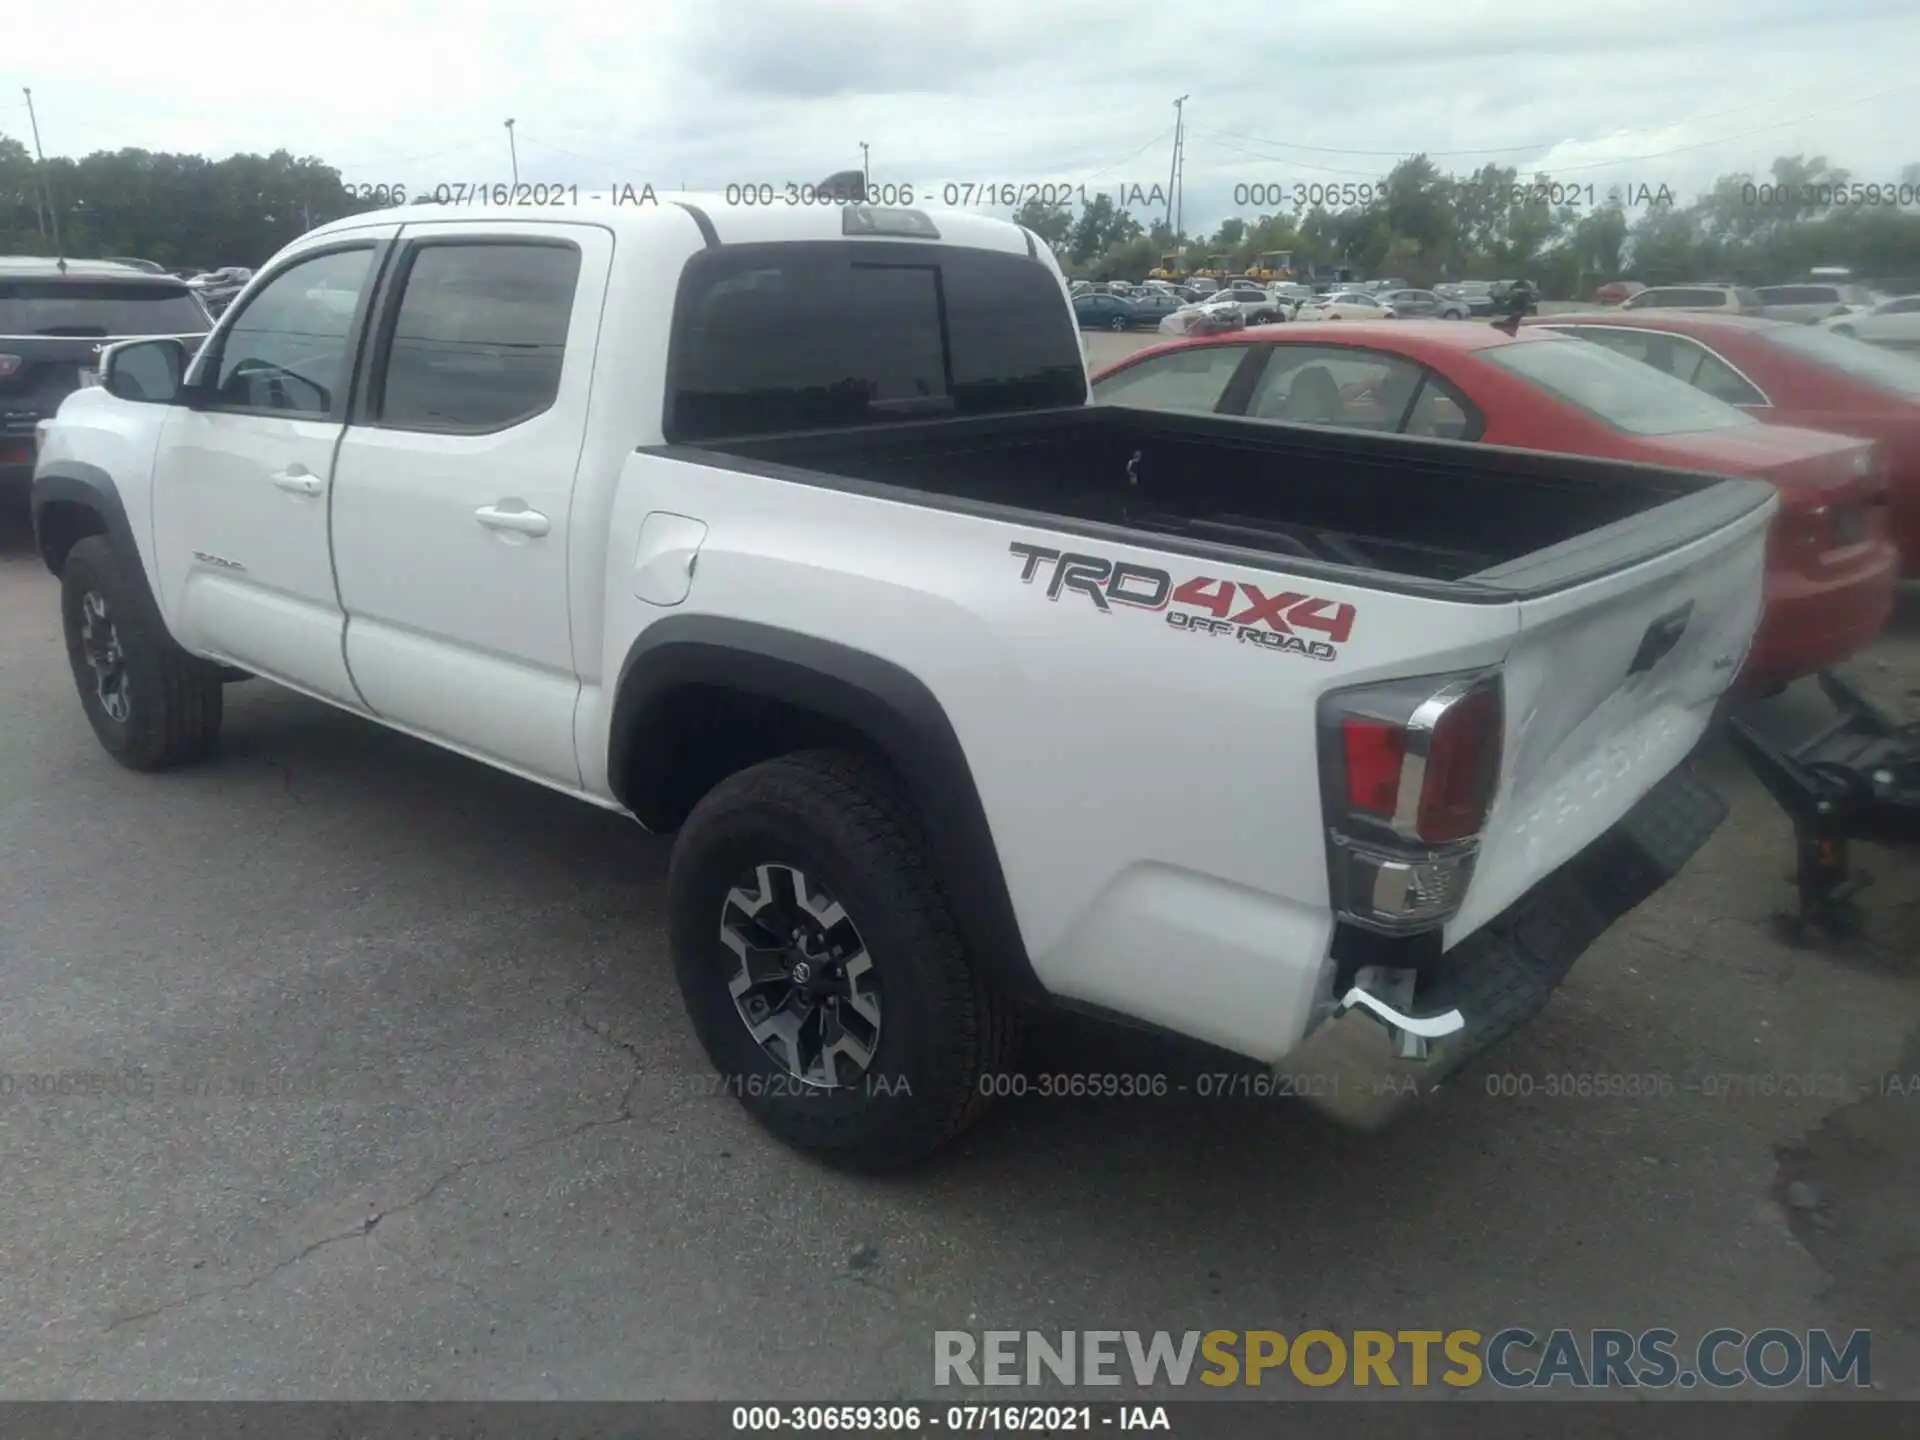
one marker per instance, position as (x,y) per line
(1202,605)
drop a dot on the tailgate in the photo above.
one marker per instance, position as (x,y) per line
(1609,685)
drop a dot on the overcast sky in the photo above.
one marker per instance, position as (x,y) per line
(416,92)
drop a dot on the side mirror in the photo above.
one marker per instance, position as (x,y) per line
(148,372)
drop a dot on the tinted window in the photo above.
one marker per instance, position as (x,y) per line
(1900,307)
(287,350)
(1614,389)
(479,337)
(1677,298)
(96,309)
(1883,369)
(1335,385)
(1799,295)
(1190,380)
(855,333)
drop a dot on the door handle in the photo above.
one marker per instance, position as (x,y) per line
(298,480)
(522,521)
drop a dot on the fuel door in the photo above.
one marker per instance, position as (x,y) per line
(666,556)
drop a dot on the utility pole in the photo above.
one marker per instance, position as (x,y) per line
(866,171)
(1180,192)
(513,153)
(46,180)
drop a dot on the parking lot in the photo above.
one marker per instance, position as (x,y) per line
(403,1104)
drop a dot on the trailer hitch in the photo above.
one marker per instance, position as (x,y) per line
(1858,778)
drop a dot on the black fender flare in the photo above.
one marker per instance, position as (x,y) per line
(887,705)
(75,482)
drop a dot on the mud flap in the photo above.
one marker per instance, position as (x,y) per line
(1355,1067)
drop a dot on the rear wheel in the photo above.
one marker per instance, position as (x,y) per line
(1119,322)
(150,703)
(821,966)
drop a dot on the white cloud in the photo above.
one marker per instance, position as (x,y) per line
(416,91)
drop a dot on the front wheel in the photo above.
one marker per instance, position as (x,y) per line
(150,703)
(821,966)
(1119,322)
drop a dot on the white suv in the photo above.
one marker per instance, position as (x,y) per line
(1714,299)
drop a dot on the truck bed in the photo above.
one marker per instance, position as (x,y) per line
(1430,511)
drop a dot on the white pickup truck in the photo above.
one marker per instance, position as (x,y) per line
(794,532)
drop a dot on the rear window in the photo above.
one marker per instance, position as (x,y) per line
(1626,394)
(1800,295)
(800,336)
(97,309)
(1870,364)
(1675,298)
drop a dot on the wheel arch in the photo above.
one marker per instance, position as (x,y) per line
(701,697)
(72,500)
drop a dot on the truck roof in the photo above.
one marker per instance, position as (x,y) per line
(662,214)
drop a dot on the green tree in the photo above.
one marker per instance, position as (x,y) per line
(1052,223)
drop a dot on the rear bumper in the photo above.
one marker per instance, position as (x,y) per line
(1363,1069)
(1811,625)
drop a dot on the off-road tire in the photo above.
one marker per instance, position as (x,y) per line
(173,699)
(945,1036)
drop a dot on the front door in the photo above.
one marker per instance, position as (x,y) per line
(242,476)
(453,493)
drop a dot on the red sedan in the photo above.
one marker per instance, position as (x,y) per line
(1831,566)
(1786,374)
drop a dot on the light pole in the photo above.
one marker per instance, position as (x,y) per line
(513,154)
(45,187)
(1173,170)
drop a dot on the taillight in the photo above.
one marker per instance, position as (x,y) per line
(1409,772)
(10,365)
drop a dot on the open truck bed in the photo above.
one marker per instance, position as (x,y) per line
(1428,516)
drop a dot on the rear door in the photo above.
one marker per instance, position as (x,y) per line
(454,488)
(242,477)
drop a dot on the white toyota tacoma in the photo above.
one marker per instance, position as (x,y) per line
(795,533)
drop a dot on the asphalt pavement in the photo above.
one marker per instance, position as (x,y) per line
(391,1096)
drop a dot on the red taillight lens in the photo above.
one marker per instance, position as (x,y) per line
(1374,750)
(9,365)
(1463,762)
(1422,755)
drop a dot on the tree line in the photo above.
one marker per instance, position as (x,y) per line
(180,211)
(1417,222)
(1428,226)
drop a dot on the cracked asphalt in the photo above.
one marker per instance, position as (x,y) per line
(392,1097)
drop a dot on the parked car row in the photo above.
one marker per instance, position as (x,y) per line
(1833,423)
(1850,308)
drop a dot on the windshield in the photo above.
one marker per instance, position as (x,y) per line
(97,309)
(1627,394)
(1884,369)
